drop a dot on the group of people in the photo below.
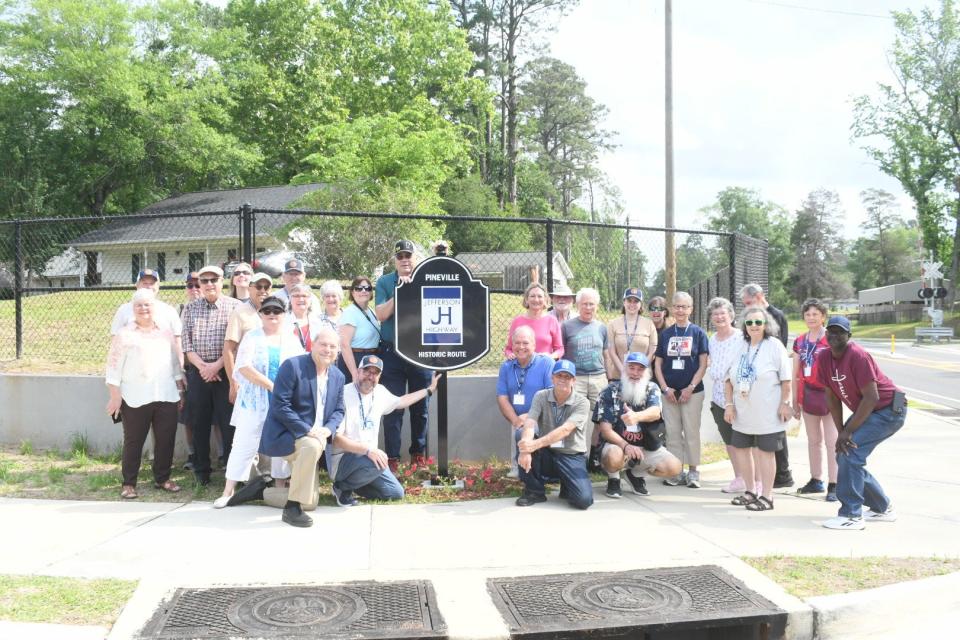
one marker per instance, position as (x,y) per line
(281,376)
(627,398)
(286,376)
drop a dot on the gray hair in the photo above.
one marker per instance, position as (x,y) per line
(721,303)
(332,287)
(142,295)
(751,290)
(682,296)
(588,291)
(770,327)
(526,330)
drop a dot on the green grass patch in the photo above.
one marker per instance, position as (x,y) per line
(26,447)
(805,577)
(712,452)
(63,600)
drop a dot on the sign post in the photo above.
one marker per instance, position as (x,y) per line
(442,323)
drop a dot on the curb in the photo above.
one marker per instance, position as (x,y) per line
(927,605)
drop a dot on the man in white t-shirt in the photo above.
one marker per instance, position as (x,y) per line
(356,463)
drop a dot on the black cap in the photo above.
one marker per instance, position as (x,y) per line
(403,245)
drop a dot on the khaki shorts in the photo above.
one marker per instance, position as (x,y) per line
(651,460)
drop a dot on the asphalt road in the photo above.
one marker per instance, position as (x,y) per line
(930,373)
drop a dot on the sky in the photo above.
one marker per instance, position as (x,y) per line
(763,97)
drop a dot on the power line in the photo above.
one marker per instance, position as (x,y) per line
(801,7)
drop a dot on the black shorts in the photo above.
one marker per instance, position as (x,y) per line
(769,442)
(724,427)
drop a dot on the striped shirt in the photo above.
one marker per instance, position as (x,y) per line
(205,326)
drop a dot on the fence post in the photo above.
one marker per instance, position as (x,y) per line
(246,233)
(549,282)
(733,269)
(18,283)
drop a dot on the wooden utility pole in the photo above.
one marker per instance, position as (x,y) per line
(669,252)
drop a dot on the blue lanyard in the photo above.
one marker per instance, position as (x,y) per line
(676,333)
(522,375)
(630,335)
(364,422)
(809,348)
(747,372)
(558,415)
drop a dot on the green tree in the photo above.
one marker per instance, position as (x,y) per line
(918,116)
(741,210)
(820,267)
(469,196)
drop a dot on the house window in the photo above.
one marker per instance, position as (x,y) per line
(162,266)
(135,266)
(92,275)
(195,260)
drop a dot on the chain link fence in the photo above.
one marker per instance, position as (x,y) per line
(62,279)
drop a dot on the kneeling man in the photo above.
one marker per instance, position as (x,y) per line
(554,442)
(305,411)
(628,412)
(357,465)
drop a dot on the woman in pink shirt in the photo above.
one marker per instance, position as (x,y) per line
(545,326)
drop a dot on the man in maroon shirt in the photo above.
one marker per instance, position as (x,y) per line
(879,410)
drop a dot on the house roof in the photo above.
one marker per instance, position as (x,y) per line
(202,227)
(496,262)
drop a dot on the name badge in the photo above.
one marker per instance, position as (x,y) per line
(633,428)
(678,364)
(518,398)
(807,371)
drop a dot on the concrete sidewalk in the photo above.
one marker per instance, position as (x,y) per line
(459,545)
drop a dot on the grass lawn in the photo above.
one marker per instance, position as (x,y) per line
(63,600)
(820,575)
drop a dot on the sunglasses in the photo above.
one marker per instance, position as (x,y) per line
(208,280)
(753,323)
(243,273)
(192,285)
(363,287)
(263,287)
(404,256)
(657,309)
(271,311)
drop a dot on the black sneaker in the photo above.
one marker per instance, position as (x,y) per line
(529,499)
(613,488)
(639,485)
(813,486)
(296,517)
(203,479)
(782,481)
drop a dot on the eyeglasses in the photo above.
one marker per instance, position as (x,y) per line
(657,309)
(271,311)
(192,285)
(753,323)
(404,255)
(208,280)
(262,287)
(243,273)
(363,287)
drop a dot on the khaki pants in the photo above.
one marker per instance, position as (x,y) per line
(304,481)
(590,385)
(682,424)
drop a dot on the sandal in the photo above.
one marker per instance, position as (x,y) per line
(760,504)
(748,497)
(128,493)
(169,486)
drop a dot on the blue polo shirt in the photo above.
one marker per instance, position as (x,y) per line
(535,377)
(386,287)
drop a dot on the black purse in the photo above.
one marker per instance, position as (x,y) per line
(382,345)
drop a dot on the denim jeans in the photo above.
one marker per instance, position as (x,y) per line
(855,485)
(358,474)
(571,469)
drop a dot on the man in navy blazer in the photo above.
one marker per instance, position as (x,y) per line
(305,411)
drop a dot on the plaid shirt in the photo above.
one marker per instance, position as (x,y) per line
(205,325)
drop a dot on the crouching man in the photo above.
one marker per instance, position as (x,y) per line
(628,412)
(357,465)
(554,442)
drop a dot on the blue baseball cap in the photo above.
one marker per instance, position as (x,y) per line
(636,357)
(148,273)
(633,292)
(370,361)
(565,366)
(839,321)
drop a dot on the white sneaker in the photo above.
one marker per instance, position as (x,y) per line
(843,522)
(693,479)
(221,502)
(886,516)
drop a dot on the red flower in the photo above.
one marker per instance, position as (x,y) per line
(407,473)
(469,482)
(487,474)
(431,460)
(413,466)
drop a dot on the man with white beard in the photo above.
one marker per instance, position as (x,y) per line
(628,413)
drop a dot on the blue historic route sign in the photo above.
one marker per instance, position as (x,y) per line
(442,316)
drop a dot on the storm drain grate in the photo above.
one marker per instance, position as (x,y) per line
(352,610)
(632,602)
